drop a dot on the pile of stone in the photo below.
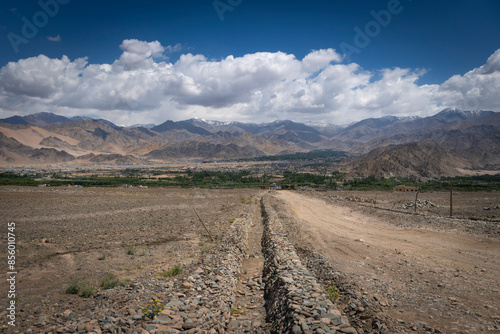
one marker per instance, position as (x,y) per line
(360,199)
(295,301)
(420,204)
(320,266)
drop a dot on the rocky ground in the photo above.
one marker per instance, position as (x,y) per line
(258,275)
(466,205)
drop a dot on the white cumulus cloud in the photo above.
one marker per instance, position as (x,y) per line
(476,89)
(142,86)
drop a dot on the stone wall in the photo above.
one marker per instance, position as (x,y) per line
(295,301)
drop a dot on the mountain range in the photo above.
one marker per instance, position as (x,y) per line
(449,142)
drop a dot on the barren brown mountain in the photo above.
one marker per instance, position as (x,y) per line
(460,139)
(422,159)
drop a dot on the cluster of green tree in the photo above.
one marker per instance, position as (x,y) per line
(244,179)
(309,180)
(373,183)
(89,181)
(469,183)
(12,179)
(204,179)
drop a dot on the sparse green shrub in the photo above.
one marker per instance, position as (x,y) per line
(131,249)
(73,287)
(152,310)
(103,256)
(248,200)
(110,281)
(174,271)
(87,291)
(331,291)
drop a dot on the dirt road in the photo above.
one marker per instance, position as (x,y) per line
(445,279)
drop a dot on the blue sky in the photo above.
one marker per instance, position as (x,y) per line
(431,40)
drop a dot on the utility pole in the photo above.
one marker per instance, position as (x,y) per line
(451,197)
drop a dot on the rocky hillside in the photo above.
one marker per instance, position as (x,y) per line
(419,159)
(471,137)
(12,151)
(203,151)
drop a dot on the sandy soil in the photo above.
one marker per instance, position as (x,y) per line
(445,278)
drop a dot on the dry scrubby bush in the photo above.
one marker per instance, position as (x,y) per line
(87,290)
(103,256)
(131,250)
(75,287)
(110,281)
(248,200)
(174,271)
